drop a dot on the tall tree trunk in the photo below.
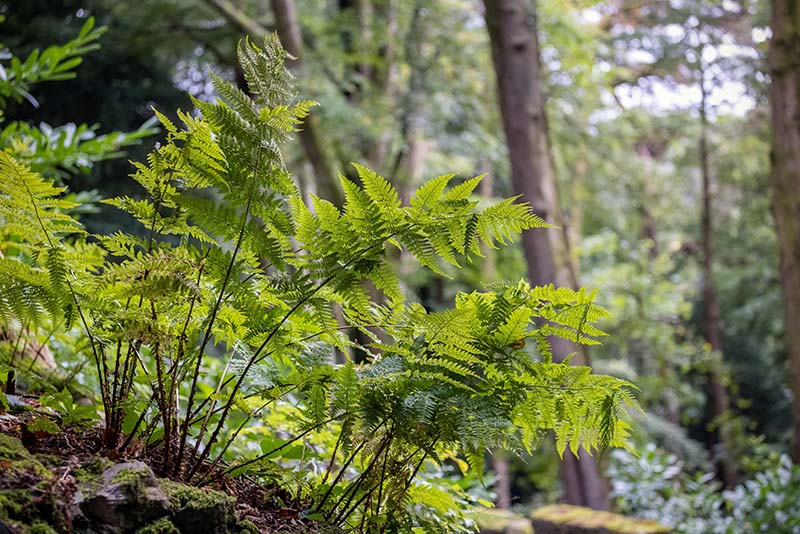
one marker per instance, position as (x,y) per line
(649,231)
(712,330)
(515,54)
(784,64)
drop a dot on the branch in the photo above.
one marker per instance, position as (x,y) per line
(239,19)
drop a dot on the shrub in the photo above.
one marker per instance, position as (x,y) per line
(656,486)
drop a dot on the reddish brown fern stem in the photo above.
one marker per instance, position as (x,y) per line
(352,489)
(207,334)
(254,358)
(300,436)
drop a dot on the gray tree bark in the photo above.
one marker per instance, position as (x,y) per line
(784,65)
(515,54)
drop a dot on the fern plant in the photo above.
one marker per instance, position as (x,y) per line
(230,308)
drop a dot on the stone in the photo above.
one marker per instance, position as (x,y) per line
(199,509)
(127,497)
(567,519)
(495,521)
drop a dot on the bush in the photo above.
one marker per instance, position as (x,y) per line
(656,486)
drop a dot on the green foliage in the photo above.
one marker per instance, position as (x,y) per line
(71,413)
(52,64)
(656,486)
(234,261)
(62,150)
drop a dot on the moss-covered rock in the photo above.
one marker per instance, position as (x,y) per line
(566,519)
(28,502)
(11,448)
(17,461)
(162,526)
(502,522)
(129,497)
(199,510)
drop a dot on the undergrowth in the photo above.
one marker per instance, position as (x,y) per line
(217,334)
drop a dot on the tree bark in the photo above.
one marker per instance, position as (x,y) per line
(712,330)
(515,54)
(784,64)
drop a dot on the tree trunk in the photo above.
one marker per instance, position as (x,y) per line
(712,330)
(515,54)
(784,64)
(289,32)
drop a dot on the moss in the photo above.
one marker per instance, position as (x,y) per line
(12,448)
(18,461)
(13,503)
(23,478)
(577,516)
(133,474)
(162,526)
(19,506)
(92,469)
(496,521)
(182,496)
(39,527)
(246,527)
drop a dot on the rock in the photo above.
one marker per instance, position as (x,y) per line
(496,521)
(199,509)
(566,519)
(128,496)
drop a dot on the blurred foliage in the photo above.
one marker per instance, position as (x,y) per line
(655,485)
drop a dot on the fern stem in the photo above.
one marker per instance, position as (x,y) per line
(333,459)
(353,487)
(266,454)
(253,358)
(247,419)
(346,465)
(207,334)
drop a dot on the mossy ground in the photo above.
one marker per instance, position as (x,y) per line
(28,491)
(595,521)
(182,496)
(162,526)
(39,479)
(496,521)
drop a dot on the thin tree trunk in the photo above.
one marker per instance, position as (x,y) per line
(385,79)
(784,63)
(515,54)
(712,330)
(289,32)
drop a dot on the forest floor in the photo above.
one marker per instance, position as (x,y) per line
(62,480)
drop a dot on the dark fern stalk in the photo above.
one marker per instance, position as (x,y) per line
(207,337)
